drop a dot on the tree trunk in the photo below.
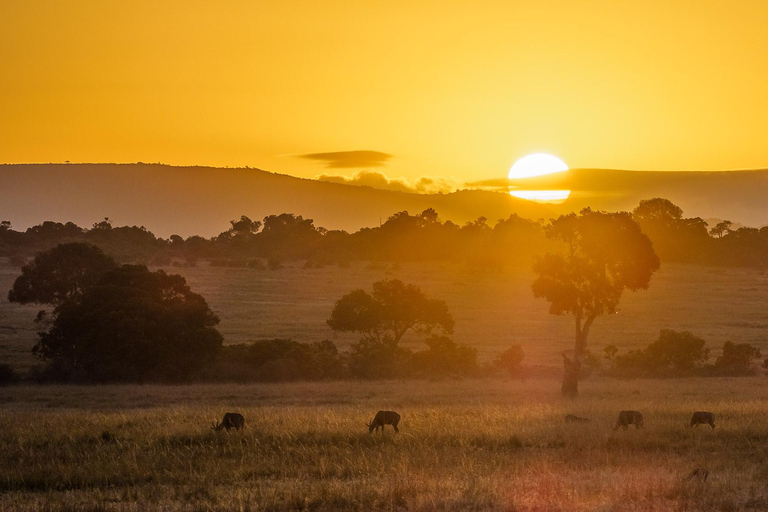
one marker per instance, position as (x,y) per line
(570,387)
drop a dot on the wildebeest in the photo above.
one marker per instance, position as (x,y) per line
(700,474)
(231,420)
(384,418)
(627,418)
(703,418)
(572,418)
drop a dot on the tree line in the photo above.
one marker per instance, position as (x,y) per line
(114,322)
(402,237)
(126,323)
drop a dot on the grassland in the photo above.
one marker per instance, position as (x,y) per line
(492,311)
(486,444)
(464,445)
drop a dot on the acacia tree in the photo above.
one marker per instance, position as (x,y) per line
(603,254)
(390,312)
(383,318)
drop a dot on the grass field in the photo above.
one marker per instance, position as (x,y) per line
(484,444)
(464,445)
(492,311)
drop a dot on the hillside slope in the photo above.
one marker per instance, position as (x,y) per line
(202,200)
(739,196)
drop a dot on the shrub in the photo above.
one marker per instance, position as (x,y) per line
(737,359)
(278,360)
(374,359)
(510,359)
(673,354)
(7,375)
(443,358)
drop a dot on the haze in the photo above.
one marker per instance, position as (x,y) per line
(448,89)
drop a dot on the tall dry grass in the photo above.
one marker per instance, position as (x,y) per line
(464,445)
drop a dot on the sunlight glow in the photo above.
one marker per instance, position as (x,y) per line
(536,164)
(544,196)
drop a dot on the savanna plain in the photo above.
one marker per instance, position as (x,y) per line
(476,444)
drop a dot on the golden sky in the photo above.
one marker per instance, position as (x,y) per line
(452,89)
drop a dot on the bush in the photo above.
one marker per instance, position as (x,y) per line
(256,264)
(373,359)
(737,359)
(674,354)
(510,359)
(278,360)
(590,364)
(443,358)
(7,375)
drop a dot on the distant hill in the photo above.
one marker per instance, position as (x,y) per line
(739,196)
(202,200)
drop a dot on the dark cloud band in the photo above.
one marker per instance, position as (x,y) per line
(351,159)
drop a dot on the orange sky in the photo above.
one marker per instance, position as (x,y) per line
(455,89)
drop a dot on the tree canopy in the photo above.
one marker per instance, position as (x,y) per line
(390,312)
(60,274)
(602,255)
(132,325)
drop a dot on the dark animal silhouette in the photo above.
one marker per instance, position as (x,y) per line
(700,474)
(627,418)
(231,420)
(703,418)
(384,418)
(572,418)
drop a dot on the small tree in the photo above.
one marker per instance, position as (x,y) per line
(510,359)
(7,375)
(390,312)
(610,352)
(721,229)
(444,357)
(382,319)
(604,254)
(737,359)
(679,353)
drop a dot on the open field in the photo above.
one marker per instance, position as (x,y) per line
(492,311)
(464,445)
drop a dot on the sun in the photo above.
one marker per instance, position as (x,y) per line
(538,164)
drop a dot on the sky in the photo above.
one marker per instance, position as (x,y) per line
(431,90)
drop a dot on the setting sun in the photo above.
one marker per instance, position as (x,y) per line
(538,164)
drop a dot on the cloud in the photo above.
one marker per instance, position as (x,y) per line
(495,185)
(377,179)
(351,159)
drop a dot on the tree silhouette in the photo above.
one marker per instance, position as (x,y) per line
(658,211)
(132,325)
(510,359)
(382,319)
(604,254)
(721,229)
(390,312)
(737,358)
(60,274)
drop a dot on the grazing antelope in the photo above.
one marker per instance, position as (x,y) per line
(627,418)
(700,474)
(703,418)
(571,418)
(231,420)
(384,418)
